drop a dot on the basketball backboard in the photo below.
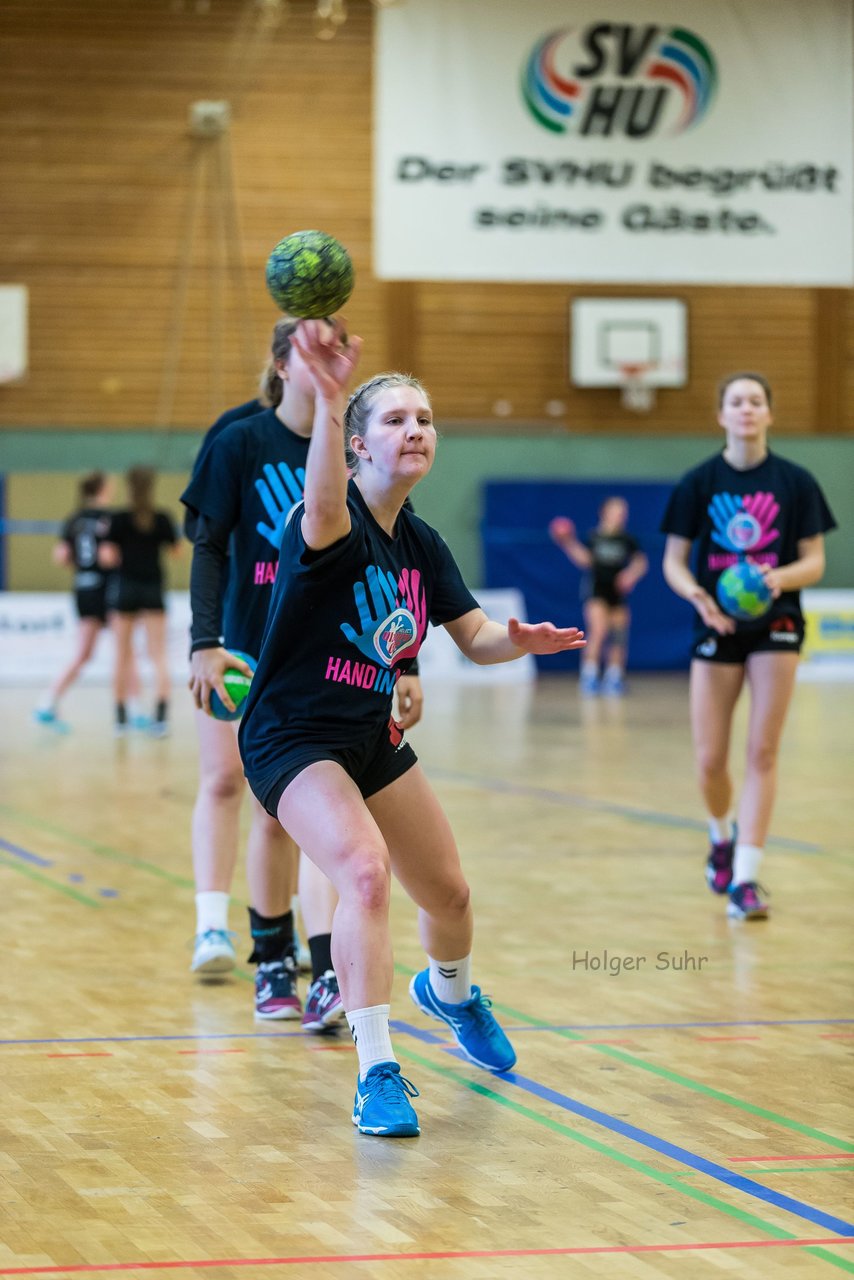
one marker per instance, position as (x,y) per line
(612,335)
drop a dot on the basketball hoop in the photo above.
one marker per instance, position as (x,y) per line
(636,393)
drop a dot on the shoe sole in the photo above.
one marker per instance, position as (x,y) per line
(288,1014)
(737,914)
(329,1022)
(214,965)
(396,1131)
(432,1013)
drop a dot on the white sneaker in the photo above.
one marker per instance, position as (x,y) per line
(213,953)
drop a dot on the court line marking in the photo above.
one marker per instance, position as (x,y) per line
(214,1035)
(573,800)
(655,1026)
(632,1162)
(437,1255)
(24,869)
(829,1222)
(798,1168)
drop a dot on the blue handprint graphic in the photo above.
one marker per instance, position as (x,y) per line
(743,524)
(387,626)
(280,490)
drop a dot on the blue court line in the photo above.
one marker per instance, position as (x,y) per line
(574,801)
(680,1154)
(24,854)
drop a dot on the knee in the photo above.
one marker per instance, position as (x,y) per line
(711,764)
(457,899)
(222,786)
(761,757)
(370,879)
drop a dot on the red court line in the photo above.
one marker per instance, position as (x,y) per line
(843,1155)
(78,1055)
(836,1035)
(210,1263)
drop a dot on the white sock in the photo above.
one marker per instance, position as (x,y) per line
(745,864)
(720,829)
(369,1029)
(451,979)
(211,911)
(46,703)
(589,668)
(614,669)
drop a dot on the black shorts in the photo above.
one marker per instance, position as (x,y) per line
(373,764)
(127,596)
(608,595)
(781,635)
(91,602)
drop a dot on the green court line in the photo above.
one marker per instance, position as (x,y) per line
(670,1180)
(94,846)
(46,880)
(675,1078)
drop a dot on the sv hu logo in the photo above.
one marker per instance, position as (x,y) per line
(616,79)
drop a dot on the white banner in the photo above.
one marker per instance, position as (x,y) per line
(638,141)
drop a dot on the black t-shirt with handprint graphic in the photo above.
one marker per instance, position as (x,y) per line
(344,624)
(248,481)
(760,513)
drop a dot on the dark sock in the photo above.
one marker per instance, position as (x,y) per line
(121,713)
(321,954)
(273,938)
(162,712)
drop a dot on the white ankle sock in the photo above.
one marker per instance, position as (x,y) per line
(451,979)
(589,668)
(720,829)
(745,864)
(369,1029)
(211,911)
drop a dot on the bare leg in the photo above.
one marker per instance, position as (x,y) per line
(715,687)
(122,624)
(216,815)
(619,619)
(87,635)
(154,622)
(317,898)
(771,677)
(271,865)
(595,631)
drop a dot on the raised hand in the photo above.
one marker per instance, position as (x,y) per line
(329,356)
(561,529)
(280,490)
(544,637)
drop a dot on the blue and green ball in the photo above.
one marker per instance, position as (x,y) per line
(237,687)
(742,591)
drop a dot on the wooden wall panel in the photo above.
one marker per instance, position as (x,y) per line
(135,321)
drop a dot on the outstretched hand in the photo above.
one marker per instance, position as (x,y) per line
(544,637)
(561,530)
(711,613)
(329,356)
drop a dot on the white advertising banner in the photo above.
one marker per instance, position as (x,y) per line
(659,141)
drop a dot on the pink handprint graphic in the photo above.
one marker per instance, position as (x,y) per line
(410,591)
(764,508)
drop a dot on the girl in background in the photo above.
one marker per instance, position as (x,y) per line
(135,540)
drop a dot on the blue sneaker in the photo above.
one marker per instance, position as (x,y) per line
(213,953)
(745,903)
(588,683)
(613,684)
(382,1107)
(47,716)
(474,1027)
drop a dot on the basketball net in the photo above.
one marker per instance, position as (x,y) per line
(636,393)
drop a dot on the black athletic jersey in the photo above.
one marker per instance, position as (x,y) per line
(611,553)
(83,532)
(237,414)
(140,548)
(761,513)
(248,481)
(344,624)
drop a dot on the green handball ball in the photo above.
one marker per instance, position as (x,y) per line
(309,275)
(742,592)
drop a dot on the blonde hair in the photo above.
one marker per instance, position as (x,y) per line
(362,401)
(270,388)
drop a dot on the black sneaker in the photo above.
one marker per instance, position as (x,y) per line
(276,996)
(323,1006)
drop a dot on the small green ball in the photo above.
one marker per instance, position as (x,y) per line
(309,275)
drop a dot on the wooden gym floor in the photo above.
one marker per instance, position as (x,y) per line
(684,1117)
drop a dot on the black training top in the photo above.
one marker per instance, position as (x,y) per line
(140,548)
(762,513)
(237,414)
(611,553)
(247,482)
(344,624)
(83,532)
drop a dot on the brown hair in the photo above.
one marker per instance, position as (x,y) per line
(362,401)
(270,388)
(140,483)
(91,485)
(749,377)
